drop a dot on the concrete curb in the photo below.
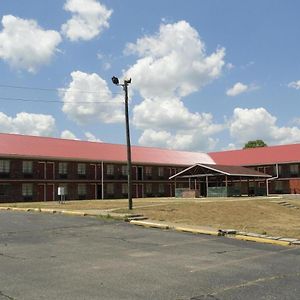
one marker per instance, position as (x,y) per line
(150,224)
(197,230)
(261,240)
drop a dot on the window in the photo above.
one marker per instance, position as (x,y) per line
(27,167)
(278,185)
(124,188)
(63,168)
(148,171)
(294,169)
(4,189)
(161,171)
(124,170)
(110,169)
(27,189)
(4,166)
(110,188)
(81,169)
(161,188)
(81,189)
(148,188)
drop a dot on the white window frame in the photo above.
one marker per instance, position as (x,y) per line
(4,166)
(149,188)
(110,169)
(81,169)
(161,188)
(148,171)
(27,167)
(110,188)
(81,189)
(27,189)
(160,171)
(124,170)
(63,168)
(124,188)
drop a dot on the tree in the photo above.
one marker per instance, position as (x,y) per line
(255,144)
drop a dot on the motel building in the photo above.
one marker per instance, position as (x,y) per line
(37,168)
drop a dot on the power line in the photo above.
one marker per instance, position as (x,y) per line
(56,101)
(49,89)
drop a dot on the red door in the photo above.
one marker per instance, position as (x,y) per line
(41,192)
(50,170)
(41,170)
(50,192)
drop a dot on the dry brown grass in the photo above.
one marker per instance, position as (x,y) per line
(248,214)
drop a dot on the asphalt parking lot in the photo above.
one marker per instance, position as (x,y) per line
(44,256)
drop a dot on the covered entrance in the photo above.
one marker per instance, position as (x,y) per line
(222,181)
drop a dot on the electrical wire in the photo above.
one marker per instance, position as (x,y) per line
(49,89)
(56,101)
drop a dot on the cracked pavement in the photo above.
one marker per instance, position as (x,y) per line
(44,256)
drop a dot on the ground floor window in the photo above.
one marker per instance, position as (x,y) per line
(148,188)
(81,189)
(124,188)
(278,186)
(161,188)
(110,188)
(27,189)
(4,189)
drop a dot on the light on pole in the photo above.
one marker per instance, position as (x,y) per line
(115,81)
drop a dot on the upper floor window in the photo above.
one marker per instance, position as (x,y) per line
(124,170)
(63,168)
(148,171)
(4,166)
(27,167)
(294,169)
(160,171)
(27,189)
(81,169)
(110,169)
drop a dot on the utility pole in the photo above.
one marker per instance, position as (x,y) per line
(115,81)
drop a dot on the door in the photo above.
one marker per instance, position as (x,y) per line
(41,192)
(41,170)
(50,170)
(50,192)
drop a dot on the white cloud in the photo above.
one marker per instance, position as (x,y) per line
(252,124)
(173,62)
(26,123)
(89,19)
(69,135)
(90,137)
(237,89)
(88,99)
(25,45)
(295,85)
(173,126)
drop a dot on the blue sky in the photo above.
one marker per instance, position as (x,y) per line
(206,75)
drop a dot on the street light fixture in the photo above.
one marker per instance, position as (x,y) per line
(115,81)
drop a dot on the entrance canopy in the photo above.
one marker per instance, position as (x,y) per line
(204,170)
(222,180)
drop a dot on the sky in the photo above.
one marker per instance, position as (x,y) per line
(207,75)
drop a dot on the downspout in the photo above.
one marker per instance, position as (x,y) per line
(273,178)
(102,173)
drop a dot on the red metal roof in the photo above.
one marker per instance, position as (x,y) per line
(53,148)
(258,156)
